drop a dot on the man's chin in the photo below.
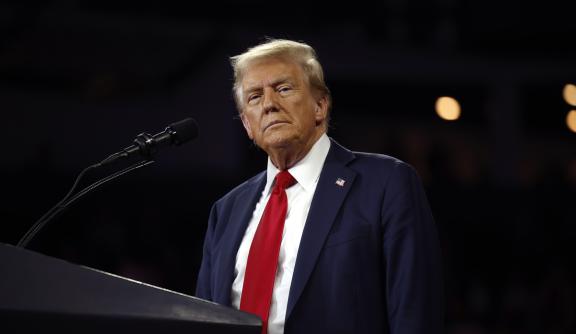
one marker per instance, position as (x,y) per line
(279,141)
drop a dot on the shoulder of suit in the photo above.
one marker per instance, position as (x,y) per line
(369,162)
(241,188)
(379,159)
(346,155)
(381,165)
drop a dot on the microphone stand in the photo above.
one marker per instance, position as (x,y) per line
(67,200)
(145,145)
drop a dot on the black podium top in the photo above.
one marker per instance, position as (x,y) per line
(38,292)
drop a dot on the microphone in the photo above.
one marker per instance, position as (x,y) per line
(147,145)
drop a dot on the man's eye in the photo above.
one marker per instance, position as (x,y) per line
(253,98)
(284,89)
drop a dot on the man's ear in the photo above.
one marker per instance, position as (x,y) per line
(321,111)
(246,125)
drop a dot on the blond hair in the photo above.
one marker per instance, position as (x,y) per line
(301,53)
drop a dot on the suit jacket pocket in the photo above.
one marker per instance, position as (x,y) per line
(348,234)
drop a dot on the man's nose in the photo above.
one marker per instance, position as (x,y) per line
(269,103)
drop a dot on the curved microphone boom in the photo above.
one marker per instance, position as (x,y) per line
(145,145)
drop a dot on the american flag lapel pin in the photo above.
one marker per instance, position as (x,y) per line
(340,182)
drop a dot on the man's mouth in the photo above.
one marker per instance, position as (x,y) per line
(274,123)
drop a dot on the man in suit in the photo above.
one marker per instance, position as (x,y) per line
(358,250)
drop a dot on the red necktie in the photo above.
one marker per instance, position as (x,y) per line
(263,256)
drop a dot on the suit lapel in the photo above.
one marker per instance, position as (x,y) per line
(334,184)
(240,216)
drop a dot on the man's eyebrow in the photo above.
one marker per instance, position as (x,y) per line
(282,80)
(274,83)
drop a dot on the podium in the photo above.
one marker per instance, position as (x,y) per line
(39,292)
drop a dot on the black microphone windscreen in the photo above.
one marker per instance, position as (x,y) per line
(186,130)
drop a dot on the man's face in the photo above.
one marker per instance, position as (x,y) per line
(279,109)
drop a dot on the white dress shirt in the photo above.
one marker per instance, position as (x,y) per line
(306,172)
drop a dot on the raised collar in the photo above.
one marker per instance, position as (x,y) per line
(306,171)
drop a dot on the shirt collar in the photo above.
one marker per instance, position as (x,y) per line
(306,171)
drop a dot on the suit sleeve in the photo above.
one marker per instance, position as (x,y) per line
(412,256)
(204,281)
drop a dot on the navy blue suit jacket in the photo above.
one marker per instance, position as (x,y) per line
(369,257)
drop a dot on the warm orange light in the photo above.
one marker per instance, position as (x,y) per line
(571,120)
(448,108)
(570,94)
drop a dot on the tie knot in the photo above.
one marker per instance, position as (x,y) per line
(284,180)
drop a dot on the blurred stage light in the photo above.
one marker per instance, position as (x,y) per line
(448,108)
(571,120)
(570,94)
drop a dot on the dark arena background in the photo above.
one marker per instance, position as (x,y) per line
(80,80)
